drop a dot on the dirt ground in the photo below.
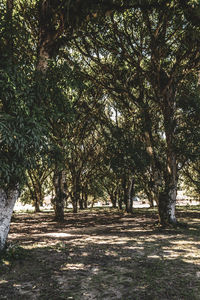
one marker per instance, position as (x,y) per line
(101,254)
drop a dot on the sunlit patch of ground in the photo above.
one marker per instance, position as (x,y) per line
(101,255)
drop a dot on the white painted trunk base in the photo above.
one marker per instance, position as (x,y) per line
(7,203)
(172,205)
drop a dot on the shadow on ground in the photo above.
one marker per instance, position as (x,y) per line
(101,255)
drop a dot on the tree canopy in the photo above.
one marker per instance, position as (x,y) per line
(104,96)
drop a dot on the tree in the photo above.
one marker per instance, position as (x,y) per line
(189,136)
(191,179)
(52,18)
(143,58)
(22,128)
(36,185)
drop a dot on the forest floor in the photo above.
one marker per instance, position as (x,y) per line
(102,254)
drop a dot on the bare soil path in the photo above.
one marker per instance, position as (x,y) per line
(101,255)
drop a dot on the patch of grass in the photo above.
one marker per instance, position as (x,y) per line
(13,252)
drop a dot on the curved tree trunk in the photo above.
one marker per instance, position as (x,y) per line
(7,202)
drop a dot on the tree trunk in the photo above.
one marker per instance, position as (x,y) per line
(81,202)
(93,201)
(113,199)
(150,195)
(75,201)
(7,197)
(36,193)
(167,198)
(150,199)
(125,191)
(7,202)
(58,180)
(75,194)
(119,200)
(75,205)
(166,207)
(155,176)
(37,204)
(129,203)
(85,200)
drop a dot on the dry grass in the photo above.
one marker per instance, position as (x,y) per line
(101,255)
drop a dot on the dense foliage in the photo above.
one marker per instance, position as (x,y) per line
(104,102)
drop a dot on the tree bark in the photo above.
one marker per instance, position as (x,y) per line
(93,201)
(113,199)
(167,198)
(46,39)
(35,191)
(129,203)
(119,200)
(75,205)
(155,176)
(75,193)
(39,195)
(125,191)
(150,198)
(58,181)
(36,205)
(166,207)
(81,202)
(7,202)
(9,196)
(85,200)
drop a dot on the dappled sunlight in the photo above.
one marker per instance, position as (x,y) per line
(73,267)
(27,289)
(106,239)
(102,256)
(53,234)
(111,253)
(154,256)
(3,281)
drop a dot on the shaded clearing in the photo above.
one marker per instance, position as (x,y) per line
(101,255)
